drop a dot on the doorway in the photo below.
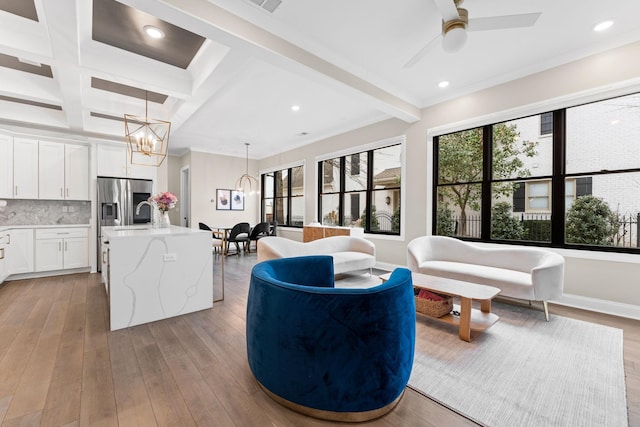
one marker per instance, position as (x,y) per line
(185,191)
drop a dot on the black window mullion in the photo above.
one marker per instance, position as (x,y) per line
(343,186)
(368,191)
(289,172)
(320,189)
(485,201)
(262,198)
(436,185)
(558,180)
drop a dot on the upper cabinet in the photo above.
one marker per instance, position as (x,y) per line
(63,171)
(113,161)
(25,168)
(51,170)
(6,167)
(76,172)
(32,169)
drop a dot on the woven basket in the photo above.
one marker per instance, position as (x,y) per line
(433,308)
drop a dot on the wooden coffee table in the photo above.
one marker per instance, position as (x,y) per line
(470,319)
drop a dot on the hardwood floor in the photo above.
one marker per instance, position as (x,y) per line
(60,366)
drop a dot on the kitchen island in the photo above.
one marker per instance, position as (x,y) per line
(156,273)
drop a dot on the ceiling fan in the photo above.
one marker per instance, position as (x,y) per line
(456,22)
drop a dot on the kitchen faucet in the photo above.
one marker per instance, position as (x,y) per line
(153,211)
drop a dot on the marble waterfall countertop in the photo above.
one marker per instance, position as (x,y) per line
(157,273)
(146,230)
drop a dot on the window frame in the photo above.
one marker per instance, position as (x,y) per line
(544,123)
(368,151)
(288,199)
(558,178)
(528,196)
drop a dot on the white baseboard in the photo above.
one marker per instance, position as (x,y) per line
(599,306)
(576,301)
(47,273)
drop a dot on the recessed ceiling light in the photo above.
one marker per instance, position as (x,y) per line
(153,32)
(295,108)
(615,122)
(443,84)
(603,26)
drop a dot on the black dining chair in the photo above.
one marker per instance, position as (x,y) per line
(239,234)
(273,228)
(215,239)
(260,230)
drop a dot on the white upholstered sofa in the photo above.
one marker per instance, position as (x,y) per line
(524,273)
(349,252)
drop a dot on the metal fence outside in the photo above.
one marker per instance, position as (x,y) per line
(538,228)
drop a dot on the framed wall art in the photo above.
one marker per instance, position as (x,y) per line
(237,200)
(223,199)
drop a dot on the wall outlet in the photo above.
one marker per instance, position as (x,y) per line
(65,209)
(170,257)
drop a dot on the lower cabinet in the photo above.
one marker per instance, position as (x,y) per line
(19,251)
(61,248)
(4,272)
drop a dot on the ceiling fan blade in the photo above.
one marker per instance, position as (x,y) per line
(423,52)
(447,9)
(503,22)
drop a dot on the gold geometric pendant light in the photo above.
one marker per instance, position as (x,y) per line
(147,139)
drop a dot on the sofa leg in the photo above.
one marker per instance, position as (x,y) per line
(546,310)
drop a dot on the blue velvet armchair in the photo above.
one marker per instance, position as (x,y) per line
(332,353)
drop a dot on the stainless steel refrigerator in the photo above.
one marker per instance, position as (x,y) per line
(117,202)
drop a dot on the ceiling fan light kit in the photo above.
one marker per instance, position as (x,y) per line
(454,32)
(456,23)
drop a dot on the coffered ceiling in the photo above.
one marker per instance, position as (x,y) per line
(228,71)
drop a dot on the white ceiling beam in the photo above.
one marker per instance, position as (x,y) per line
(62,22)
(215,81)
(229,29)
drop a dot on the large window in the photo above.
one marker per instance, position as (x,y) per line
(362,190)
(283,196)
(566,178)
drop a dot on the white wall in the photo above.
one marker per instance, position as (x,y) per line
(208,173)
(589,274)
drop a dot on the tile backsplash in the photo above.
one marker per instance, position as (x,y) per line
(45,212)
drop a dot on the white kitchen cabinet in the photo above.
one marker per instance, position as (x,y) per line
(51,170)
(6,166)
(61,248)
(63,171)
(25,168)
(49,255)
(19,251)
(4,271)
(76,172)
(114,161)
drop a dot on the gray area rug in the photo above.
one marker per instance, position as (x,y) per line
(524,371)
